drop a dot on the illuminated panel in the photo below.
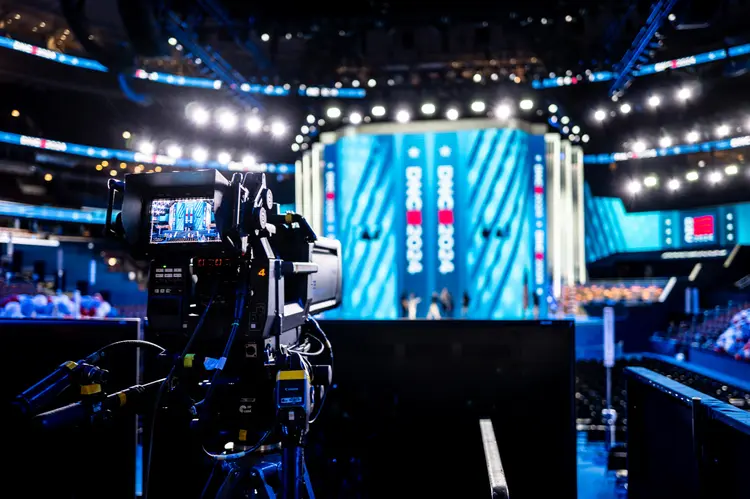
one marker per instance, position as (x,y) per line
(699,230)
(183,221)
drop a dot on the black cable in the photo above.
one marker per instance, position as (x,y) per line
(165,383)
(94,357)
(327,343)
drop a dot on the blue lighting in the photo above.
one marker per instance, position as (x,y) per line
(89,215)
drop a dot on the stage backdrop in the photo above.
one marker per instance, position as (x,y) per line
(420,212)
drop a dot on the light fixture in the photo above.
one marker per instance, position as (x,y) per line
(378,111)
(355,118)
(144,148)
(568,19)
(253,124)
(477,77)
(278,129)
(227,119)
(113,173)
(299,139)
(126,135)
(650,181)
(673,184)
(654,101)
(157,169)
(112,261)
(310,119)
(665,141)
(15,113)
(625,108)
(105,163)
(123,166)
(248,160)
(478,106)
(564,120)
(174,151)
(722,131)
(672,18)
(452,114)
(576,129)
(295,147)
(199,115)
(403,116)
(552,108)
(526,104)
(684,94)
(224,158)
(639,146)
(265,37)
(692,176)
(200,154)
(371,82)
(585,138)
(693,136)
(48,177)
(634,187)
(99,168)
(731,170)
(715,177)
(333,113)
(428,108)
(172,41)
(502,112)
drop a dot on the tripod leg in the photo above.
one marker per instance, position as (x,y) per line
(308,483)
(260,484)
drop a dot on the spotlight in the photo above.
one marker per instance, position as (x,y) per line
(126,135)
(299,139)
(477,78)
(654,101)
(576,129)
(585,138)
(564,120)
(428,109)
(113,173)
(295,147)
(673,184)
(693,137)
(174,151)
(199,115)
(200,155)
(145,148)
(715,177)
(722,131)
(502,112)
(731,170)
(355,118)
(224,158)
(600,115)
(333,113)
(112,261)
(650,181)
(625,108)
(278,129)
(684,94)
(265,37)
(227,119)
(310,119)
(48,177)
(371,82)
(552,108)
(692,176)
(639,146)
(672,18)
(172,41)
(254,124)
(665,141)
(248,160)
(403,116)
(633,187)
(378,111)
(526,104)
(452,114)
(568,19)
(478,106)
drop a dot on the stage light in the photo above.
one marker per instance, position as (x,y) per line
(265,37)
(112,261)
(576,129)
(113,173)
(278,129)
(105,163)
(692,176)
(299,139)
(478,106)
(639,146)
(123,166)
(565,129)
(625,108)
(673,184)
(428,109)
(634,187)
(99,168)
(654,101)
(157,169)
(526,104)
(693,137)
(253,124)
(403,116)
(477,78)
(722,131)
(552,108)
(172,41)
(684,94)
(126,135)
(585,138)
(144,148)
(600,115)
(378,111)
(199,115)
(355,83)
(568,19)
(355,118)
(371,82)
(672,18)
(310,119)
(665,141)
(227,119)
(295,147)
(248,160)
(200,154)
(452,114)
(564,120)
(650,181)
(715,177)
(731,170)
(224,158)
(174,151)
(48,177)
(502,112)
(333,113)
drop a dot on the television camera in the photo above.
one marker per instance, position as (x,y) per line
(233,285)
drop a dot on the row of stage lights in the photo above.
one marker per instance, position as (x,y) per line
(635,186)
(654,101)
(230,121)
(722,131)
(199,154)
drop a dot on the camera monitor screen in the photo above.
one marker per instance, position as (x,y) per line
(188,220)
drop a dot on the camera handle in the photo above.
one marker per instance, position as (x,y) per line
(113,187)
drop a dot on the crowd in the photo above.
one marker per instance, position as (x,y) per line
(59,305)
(441,305)
(623,292)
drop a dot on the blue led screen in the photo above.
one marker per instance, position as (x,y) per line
(419,213)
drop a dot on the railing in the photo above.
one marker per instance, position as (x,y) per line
(498,484)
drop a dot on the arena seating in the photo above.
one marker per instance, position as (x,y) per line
(629,292)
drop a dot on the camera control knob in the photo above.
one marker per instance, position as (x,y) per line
(260,218)
(269,199)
